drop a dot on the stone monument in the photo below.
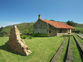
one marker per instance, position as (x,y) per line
(16,43)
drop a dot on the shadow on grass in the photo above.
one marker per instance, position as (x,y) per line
(7,48)
(79,48)
(65,57)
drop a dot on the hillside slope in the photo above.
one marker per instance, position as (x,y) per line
(28,28)
(23,27)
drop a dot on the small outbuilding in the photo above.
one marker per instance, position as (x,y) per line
(52,28)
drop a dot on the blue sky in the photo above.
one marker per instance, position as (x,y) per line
(19,11)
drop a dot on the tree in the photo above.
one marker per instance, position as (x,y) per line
(2,33)
(71,23)
(1,29)
(52,20)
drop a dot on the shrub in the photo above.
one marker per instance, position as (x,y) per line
(24,36)
(40,35)
(76,31)
(30,37)
(2,33)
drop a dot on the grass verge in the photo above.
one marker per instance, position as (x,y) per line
(76,53)
(43,49)
(81,40)
(62,55)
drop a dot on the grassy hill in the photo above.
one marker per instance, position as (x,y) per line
(80,25)
(23,27)
(79,29)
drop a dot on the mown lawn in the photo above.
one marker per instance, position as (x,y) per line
(80,39)
(76,53)
(62,55)
(43,49)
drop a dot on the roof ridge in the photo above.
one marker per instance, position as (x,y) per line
(53,21)
(58,24)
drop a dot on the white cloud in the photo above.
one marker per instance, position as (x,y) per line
(8,23)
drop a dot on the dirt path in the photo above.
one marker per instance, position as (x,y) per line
(69,57)
(70,52)
(80,47)
(78,42)
(59,52)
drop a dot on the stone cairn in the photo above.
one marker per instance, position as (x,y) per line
(16,43)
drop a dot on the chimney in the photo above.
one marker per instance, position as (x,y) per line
(39,16)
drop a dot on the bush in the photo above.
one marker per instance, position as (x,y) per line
(24,36)
(40,35)
(30,37)
(2,33)
(76,31)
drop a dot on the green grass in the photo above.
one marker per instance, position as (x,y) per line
(79,28)
(23,27)
(76,54)
(43,49)
(61,57)
(81,40)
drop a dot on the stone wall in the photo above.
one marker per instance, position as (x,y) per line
(51,31)
(40,27)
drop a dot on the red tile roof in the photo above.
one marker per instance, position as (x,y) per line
(58,24)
